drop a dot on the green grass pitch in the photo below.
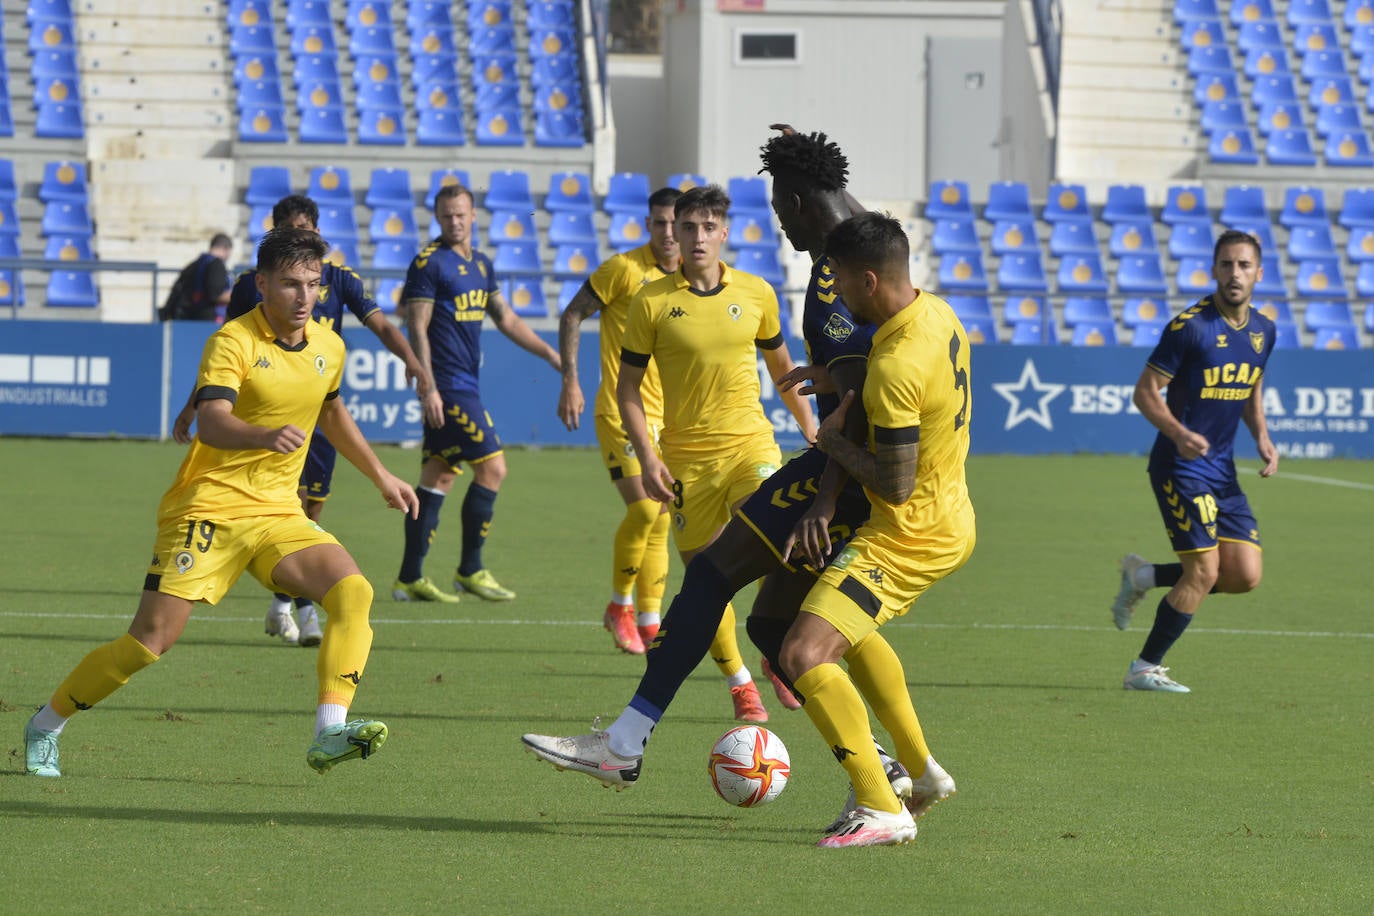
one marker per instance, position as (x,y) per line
(189,789)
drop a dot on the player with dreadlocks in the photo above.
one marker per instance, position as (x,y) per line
(786,530)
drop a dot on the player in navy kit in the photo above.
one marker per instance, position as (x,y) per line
(449,289)
(785,531)
(340,288)
(1212,358)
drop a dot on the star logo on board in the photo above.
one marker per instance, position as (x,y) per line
(1029,390)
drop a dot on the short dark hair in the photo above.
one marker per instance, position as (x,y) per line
(1236,236)
(293,205)
(287,247)
(454,190)
(664,197)
(873,241)
(810,159)
(220,240)
(711,198)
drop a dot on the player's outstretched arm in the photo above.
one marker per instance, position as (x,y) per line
(338,426)
(571,403)
(1151,404)
(395,342)
(779,363)
(889,473)
(1253,415)
(519,333)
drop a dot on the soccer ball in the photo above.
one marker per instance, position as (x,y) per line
(749,766)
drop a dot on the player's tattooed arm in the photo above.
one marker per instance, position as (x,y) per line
(890,473)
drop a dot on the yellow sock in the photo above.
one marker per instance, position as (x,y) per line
(837,711)
(653,570)
(100,674)
(725,647)
(347,640)
(877,671)
(628,554)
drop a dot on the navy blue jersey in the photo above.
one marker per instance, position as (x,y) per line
(1212,369)
(340,287)
(459,288)
(830,331)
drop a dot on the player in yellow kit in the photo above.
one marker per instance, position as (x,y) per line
(265,380)
(921,527)
(639,568)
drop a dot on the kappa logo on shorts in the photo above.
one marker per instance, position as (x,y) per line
(875,576)
(184,561)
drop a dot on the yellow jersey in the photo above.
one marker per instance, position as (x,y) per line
(270,385)
(706,345)
(918,390)
(615,283)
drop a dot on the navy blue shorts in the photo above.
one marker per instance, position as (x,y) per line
(783,499)
(1198,513)
(467,434)
(318,475)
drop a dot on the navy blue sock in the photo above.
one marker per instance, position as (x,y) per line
(1167,574)
(419,534)
(281,596)
(685,635)
(1169,626)
(303,602)
(478,508)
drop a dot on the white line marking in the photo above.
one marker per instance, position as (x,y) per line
(506,621)
(1308,478)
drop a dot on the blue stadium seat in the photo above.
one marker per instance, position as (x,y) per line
(440,96)
(1362,42)
(9,219)
(252,39)
(509,189)
(337,224)
(1008,200)
(1094,334)
(628,192)
(331,185)
(1279,116)
(1024,310)
(1194,276)
(1139,310)
(963,273)
(72,289)
(377,67)
(550,14)
(1141,274)
(394,223)
(1359,13)
(385,94)
(1369,318)
(579,259)
(253,94)
(526,296)
(1066,203)
(1185,203)
(1340,337)
(1271,285)
(394,254)
(559,128)
(6,116)
(1262,231)
(371,40)
(1078,309)
(9,188)
(439,127)
(565,97)
(1132,237)
(969,308)
(1222,116)
(572,227)
(68,248)
(512,226)
(685,181)
(1290,147)
(1306,242)
(949,200)
(1323,65)
(389,187)
(53,10)
(1364,280)
(563,70)
(1147,333)
(313,39)
(1191,240)
(1202,33)
(421,13)
(1304,206)
(11,288)
(442,68)
(566,291)
(67,217)
(63,180)
(1216,87)
(1207,60)
(570,191)
(342,251)
(52,89)
(762,262)
(552,43)
(1320,277)
(1073,238)
(491,42)
(1243,203)
(1360,247)
(267,184)
(979,330)
(312,68)
(496,95)
(1192,10)
(1261,35)
(489,14)
(1014,235)
(246,69)
(389,294)
(1331,90)
(1321,314)
(442,178)
(951,235)
(1035,333)
(319,94)
(1276,310)
(518,258)
(748,193)
(259,222)
(368,15)
(381,126)
(752,229)
(1022,273)
(1267,89)
(627,230)
(306,13)
(1349,149)
(1286,336)
(1243,11)
(1357,208)
(1125,202)
(500,127)
(59,120)
(1235,147)
(1082,273)
(1338,119)
(1307,12)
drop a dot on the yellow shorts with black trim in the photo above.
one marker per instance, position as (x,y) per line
(857,596)
(617,452)
(200,559)
(707,491)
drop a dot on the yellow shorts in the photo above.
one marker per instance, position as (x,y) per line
(857,596)
(706,491)
(616,451)
(200,559)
